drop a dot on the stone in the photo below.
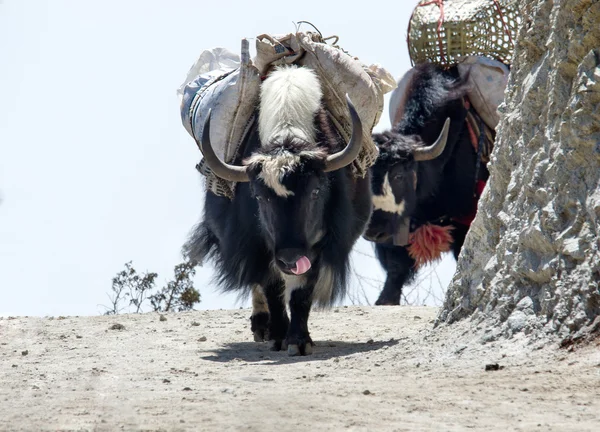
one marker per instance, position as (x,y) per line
(535,239)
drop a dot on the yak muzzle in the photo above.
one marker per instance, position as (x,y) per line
(398,235)
(292,261)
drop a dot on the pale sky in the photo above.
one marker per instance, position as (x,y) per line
(96,168)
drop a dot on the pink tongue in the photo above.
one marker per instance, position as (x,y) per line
(302,266)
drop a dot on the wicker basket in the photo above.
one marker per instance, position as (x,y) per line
(442,31)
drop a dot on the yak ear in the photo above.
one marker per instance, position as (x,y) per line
(386,140)
(379,138)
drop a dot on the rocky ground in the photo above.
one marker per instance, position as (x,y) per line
(373,369)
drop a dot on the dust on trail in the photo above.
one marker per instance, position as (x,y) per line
(380,368)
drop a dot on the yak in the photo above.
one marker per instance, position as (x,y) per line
(427,175)
(297,209)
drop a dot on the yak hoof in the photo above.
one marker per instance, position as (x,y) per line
(261,335)
(260,326)
(387,302)
(293,350)
(278,345)
(300,350)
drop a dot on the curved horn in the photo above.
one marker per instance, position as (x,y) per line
(435,149)
(345,157)
(221,169)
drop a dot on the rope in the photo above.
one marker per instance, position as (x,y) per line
(310,24)
(479,151)
(503,23)
(477,141)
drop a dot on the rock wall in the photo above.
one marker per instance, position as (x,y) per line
(531,260)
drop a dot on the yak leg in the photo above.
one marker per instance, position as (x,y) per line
(259,321)
(269,320)
(458,234)
(278,317)
(298,338)
(400,270)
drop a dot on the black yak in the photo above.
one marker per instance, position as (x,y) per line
(296,213)
(427,176)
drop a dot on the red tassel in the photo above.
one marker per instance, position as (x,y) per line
(428,242)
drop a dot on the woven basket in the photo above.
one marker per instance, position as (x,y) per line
(443,31)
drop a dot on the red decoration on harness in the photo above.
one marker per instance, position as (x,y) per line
(428,242)
(472,135)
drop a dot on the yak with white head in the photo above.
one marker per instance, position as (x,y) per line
(296,213)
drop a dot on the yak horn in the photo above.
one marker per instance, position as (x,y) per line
(221,169)
(346,157)
(435,149)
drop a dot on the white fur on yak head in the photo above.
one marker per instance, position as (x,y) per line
(287,174)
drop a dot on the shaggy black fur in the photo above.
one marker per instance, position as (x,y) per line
(445,186)
(242,240)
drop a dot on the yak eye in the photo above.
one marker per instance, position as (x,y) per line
(315,193)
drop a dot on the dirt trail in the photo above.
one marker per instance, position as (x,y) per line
(373,369)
